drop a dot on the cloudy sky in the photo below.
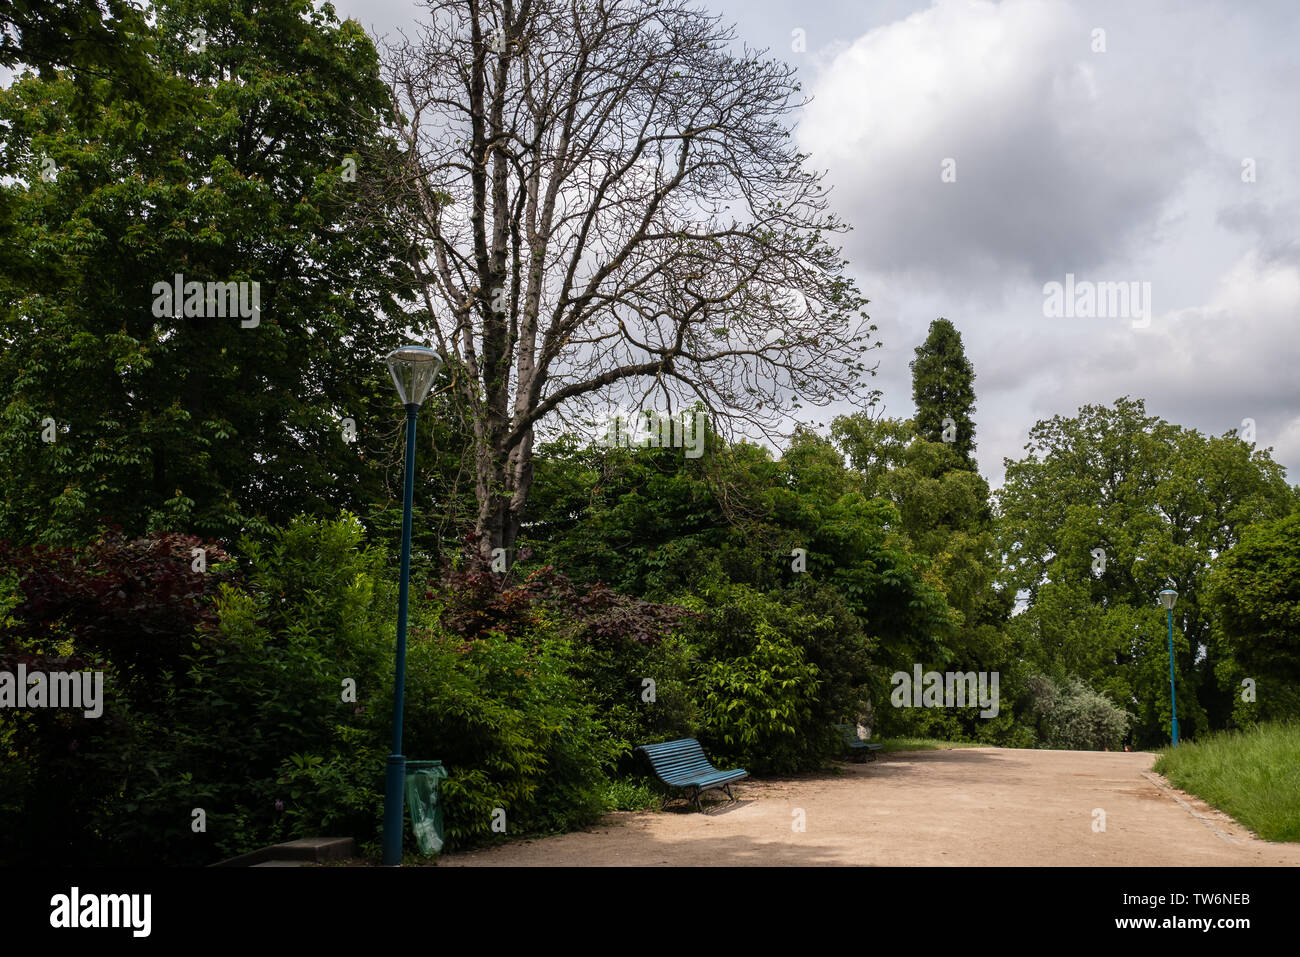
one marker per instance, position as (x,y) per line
(982,150)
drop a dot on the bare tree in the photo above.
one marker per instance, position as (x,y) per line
(605,205)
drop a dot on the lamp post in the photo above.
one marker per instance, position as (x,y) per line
(1167,598)
(413,369)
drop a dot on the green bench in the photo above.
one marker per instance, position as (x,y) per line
(682,764)
(855,744)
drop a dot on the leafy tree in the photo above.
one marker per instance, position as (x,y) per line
(944,517)
(93,39)
(215,425)
(1254,601)
(1107,508)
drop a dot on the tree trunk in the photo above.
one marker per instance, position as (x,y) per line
(503,480)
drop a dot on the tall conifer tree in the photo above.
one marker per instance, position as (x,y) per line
(943,387)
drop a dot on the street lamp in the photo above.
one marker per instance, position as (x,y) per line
(1167,598)
(413,369)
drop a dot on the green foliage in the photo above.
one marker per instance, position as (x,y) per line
(259,679)
(1254,601)
(943,521)
(108,38)
(630,794)
(1162,502)
(1010,728)
(760,707)
(759,695)
(613,674)
(198,423)
(508,720)
(660,526)
(341,792)
(315,611)
(943,387)
(1076,718)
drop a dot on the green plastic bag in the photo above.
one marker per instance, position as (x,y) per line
(422,780)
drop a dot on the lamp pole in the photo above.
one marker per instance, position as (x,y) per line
(1167,598)
(413,369)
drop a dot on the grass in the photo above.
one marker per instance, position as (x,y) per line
(1253,776)
(630,794)
(925,744)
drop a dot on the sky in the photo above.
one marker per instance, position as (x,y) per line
(983,151)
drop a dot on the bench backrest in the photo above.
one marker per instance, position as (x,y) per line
(850,733)
(672,759)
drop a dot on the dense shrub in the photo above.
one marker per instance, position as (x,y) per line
(1012,727)
(1075,717)
(262,694)
(136,603)
(314,621)
(209,692)
(616,674)
(616,641)
(508,720)
(136,610)
(760,697)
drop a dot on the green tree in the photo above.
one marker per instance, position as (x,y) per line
(1107,508)
(92,39)
(943,388)
(944,517)
(215,425)
(1254,601)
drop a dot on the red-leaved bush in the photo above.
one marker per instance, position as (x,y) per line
(478,600)
(140,603)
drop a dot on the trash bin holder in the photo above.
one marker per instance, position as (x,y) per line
(422,780)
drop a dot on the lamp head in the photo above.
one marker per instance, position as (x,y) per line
(413,369)
(1167,598)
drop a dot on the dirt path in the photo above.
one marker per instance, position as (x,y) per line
(962,807)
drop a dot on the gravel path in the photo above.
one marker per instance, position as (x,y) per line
(962,807)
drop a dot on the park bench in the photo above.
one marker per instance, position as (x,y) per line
(682,764)
(855,744)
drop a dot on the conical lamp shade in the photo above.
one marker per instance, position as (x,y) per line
(413,369)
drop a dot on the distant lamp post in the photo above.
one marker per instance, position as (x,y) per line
(1167,598)
(413,369)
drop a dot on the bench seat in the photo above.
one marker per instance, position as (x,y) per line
(682,764)
(855,744)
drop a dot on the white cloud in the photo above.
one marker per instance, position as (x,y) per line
(1060,159)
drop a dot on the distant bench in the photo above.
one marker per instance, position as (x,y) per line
(682,764)
(855,744)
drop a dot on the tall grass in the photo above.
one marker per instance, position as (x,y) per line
(1253,775)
